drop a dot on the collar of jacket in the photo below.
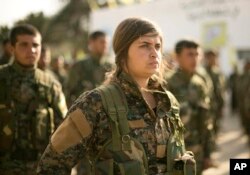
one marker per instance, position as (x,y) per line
(130,87)
(23,70)
(95,59)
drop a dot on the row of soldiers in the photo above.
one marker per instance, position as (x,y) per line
(240,95)
(199,90)
(26,91)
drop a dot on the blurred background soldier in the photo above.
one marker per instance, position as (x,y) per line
(191,91)
(87,74)
(202,72)
(232,83)
(243,101)
(31,105)
(7,54)
(58,67)
(90,72)
(45,60)
(211,65)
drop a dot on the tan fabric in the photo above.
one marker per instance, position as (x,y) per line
(161,151)
(137,124)
(71,131)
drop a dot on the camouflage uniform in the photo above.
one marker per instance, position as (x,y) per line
(31,106)
(61,76)
(51,73)
(83,76)
(87,128)
(4,60)
(218,97)
(192,94)
(243,100)
(201,71)
(247,106)
(232,84)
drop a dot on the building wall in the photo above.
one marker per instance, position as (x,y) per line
(221,24)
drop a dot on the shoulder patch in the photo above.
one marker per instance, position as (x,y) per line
(73,129)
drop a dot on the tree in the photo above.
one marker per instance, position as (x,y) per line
(38,20)
(70,26)
(4,32)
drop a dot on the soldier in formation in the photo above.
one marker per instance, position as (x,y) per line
(31,105)
(192,93)
(88,73)
(58,67)
(243,91)
(211,66)
(7,53)
(129,125)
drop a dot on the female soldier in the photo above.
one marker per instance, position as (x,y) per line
(148,140)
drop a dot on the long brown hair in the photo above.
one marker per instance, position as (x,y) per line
(125,34)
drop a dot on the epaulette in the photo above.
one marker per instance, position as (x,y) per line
(43,78)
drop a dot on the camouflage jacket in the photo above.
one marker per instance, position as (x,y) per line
(193,96)
(243,94)
(84,75)
(219,86)
(202,72)
(247,101)
(31,106)
(4,60)
(87,128)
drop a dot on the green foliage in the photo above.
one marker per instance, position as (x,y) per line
(4,32)
(36,19)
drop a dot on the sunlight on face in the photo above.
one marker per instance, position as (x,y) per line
(188,59)
(144,56)
(27,49)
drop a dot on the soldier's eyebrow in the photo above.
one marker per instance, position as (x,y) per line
(149,39)
(148,42)
(22,42)
(144,42)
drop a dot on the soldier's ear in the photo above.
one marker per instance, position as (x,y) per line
(177,57)
(12,48)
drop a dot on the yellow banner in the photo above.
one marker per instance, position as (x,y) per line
(214,35)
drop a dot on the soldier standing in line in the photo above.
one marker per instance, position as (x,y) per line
(232,85)
(31,105)
(87,74)
(201,71)
(90,72)
(243,92)
(140,133)
(7,54)
(211,65)
(191,91)
(247,103)
(58,67)
(45,60)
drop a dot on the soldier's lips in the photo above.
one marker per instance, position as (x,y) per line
(154,64)
(31,58)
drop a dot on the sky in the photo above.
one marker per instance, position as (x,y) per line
(13,10)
